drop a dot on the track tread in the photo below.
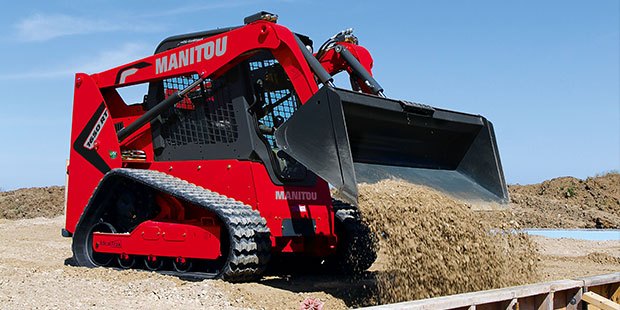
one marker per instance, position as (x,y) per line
(250,245)
(360,249)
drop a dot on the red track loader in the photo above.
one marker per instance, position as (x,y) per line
(227,163)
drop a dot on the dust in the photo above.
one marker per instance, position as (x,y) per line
(32,202)
(433,245)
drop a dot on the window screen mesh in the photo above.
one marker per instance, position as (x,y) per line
(278,101)
(204,116)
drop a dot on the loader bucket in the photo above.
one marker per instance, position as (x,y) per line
(345,137)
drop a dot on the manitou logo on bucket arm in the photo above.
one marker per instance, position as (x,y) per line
(191,55)
(295,195)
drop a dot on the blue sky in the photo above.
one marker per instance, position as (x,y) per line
(546,73)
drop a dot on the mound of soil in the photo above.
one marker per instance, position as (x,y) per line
(565,202)
(32,202)
(433,245)
(603,258)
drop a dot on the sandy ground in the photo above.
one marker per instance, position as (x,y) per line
(568,258)
(33,275)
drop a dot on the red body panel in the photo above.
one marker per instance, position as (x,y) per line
(333,62)
(250,183)
(228,177)
(88,108)
(98,108)
(163,239)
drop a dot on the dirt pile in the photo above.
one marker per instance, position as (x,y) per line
(433,245)
(603,258)
(565,202)
(32,202)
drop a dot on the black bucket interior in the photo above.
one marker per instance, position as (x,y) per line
(337,128)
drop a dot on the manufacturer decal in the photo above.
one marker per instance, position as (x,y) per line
(94,133)
(122,74)
(295,195)
(80,145)
(191,55)
(126,73)
(111,244)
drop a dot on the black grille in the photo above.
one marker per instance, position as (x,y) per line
(278,101)
(204,116)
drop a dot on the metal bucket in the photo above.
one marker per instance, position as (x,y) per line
(347,137)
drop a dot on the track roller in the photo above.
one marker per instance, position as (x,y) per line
(153,263)
(182,264)
(126,261)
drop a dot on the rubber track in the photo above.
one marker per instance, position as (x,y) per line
(360,251)
(250,247)
(344,210)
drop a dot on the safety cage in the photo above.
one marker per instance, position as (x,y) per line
(220,117)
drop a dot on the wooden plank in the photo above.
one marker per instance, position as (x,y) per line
(601,279)
(609,291)
(485,297)
(547,304)
(615,293)
(575,302)
(512,305)
(599,301)
(528,303)
(533,296)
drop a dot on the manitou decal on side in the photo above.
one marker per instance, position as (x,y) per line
(191,55)
(295,195)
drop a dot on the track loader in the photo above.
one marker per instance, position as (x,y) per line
(228,162)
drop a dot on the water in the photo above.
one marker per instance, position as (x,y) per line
(582,234)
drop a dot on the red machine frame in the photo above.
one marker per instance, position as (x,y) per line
(97,105)
(334,129)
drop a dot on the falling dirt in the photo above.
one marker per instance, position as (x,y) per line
(433,245)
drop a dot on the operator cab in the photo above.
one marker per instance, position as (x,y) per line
(231,116)
(275,101)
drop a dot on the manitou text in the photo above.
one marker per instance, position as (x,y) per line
(295,195)
(191,55)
